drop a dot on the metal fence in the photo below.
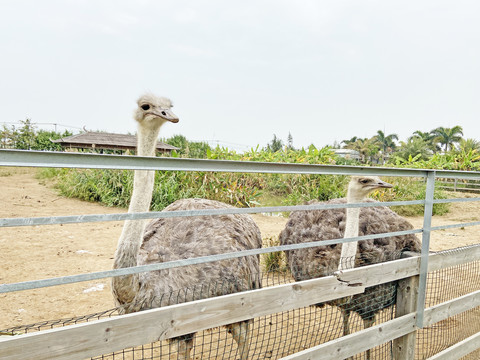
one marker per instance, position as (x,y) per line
(281,333)
(464,185)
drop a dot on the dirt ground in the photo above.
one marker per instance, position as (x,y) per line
(38,252)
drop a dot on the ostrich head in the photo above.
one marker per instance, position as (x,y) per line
(360,186)
(153,110)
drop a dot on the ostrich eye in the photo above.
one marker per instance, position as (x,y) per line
(145,106)
(364,181)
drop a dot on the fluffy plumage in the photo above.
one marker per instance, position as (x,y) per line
(168,239)
(315,225)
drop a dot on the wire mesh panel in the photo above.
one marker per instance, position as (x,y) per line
(443,285)
(271,337)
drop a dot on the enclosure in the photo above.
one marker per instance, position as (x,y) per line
(437,301)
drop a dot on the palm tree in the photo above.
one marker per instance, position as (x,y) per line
(467,145)
(386,142)
(415,146)
(427,137)
(448,136)
(366,147)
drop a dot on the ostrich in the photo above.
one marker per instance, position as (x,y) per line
(167,239)
(306,226)
(358,189)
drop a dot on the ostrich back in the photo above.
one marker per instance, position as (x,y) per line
(168,239)
(315,225)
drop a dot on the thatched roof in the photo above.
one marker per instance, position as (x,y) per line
(101,140)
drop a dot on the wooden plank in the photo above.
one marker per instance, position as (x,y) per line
(452,258)
(107,335)
(450,308)
(352,344)
(381,273)
(407,294)
(460,349)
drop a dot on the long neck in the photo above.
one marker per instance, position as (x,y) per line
(132,232)
(349,250)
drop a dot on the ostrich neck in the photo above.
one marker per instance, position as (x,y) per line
(349,250)
(132,232)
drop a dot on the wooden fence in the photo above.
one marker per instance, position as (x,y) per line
(107,335)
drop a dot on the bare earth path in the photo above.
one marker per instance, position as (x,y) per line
(38,252)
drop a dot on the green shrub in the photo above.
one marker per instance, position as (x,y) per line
(114,187)
(406,189)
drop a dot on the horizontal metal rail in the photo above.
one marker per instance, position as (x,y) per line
(35,284)
(73,219)
(29,158)
(441,201)
(96,161)
(453,226)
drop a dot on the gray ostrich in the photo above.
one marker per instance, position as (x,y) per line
(167,239)
(306,226)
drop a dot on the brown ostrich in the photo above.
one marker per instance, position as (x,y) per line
(167,239)
(306,226)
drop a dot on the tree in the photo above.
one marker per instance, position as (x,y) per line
(447,137)
(26,135)
(366,147)
(427,137)
(178,141)
(290,141)
(42,140)
(347,142)
(275,145)
(7,137)
(467,145)
(413,147)
(385,142)
(192,149)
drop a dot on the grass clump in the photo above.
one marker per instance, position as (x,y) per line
(274,261)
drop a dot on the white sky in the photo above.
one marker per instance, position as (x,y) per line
(242,71)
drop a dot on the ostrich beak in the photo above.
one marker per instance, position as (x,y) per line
(383,184)
(167,114)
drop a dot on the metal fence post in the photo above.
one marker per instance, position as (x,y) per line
(427,225)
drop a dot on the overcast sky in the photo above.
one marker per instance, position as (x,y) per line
(239,72)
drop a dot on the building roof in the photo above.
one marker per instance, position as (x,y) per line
(101,140)
(354,154)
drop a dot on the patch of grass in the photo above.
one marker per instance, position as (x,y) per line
(273,261)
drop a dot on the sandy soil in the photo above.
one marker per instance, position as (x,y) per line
(38,252)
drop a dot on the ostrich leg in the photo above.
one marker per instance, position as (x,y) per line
(366,324)
(184,346)
(241,334)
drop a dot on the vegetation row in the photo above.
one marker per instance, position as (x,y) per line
(440,148)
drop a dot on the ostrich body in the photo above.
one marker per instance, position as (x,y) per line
(168,239)
(315,225)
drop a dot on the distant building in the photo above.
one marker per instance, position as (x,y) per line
(348,154)
(107,141)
